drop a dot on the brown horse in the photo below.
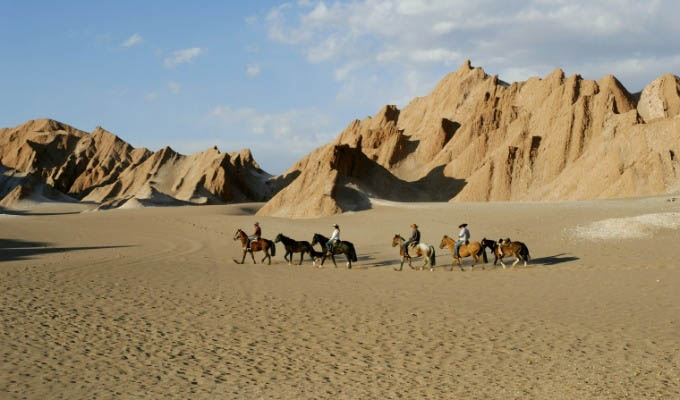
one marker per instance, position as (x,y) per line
(265,245)
(473,249)
(506,248)
(421,250)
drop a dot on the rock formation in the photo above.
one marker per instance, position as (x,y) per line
(477,138)
(102,168)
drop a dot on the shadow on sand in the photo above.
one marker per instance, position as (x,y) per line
(14,250)
(553,260)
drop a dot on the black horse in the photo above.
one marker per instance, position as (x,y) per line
(293,246)
(342,247)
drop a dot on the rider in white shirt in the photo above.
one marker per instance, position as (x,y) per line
(463,237)
(335,237)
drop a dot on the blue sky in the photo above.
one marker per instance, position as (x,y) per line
(285,77)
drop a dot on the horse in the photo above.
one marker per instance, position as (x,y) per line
(421,250)
(506,248)
(293,246)
(265,245)
(342,247)
(473,249)
(491,245)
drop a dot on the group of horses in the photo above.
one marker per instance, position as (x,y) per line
(293,246)
(500,249)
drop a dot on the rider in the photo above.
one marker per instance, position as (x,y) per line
(463,237)
(413,240)
(335,238)
(255,236)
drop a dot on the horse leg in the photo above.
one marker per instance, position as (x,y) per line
(502,263)
(401,267)
(302,255)
(516,261)
(244,256)
(349,262)
(333,258)
(252,255)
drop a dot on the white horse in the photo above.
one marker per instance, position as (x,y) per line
(420,250)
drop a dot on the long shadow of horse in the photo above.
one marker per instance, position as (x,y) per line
(554,260)
(14,250)
(8,211)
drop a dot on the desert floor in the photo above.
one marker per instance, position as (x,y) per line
(149,304)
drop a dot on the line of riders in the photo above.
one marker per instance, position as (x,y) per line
(330,247)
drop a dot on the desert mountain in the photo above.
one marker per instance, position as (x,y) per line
(477,138)
(102,168)
(19,188)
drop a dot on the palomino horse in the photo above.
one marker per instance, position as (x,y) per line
(256,245)
(293,246)
(473,249)
(506,248)
(342,247)
(421,250)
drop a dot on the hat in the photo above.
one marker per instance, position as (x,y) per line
(335,226)
(257,224)
(462,225)
(414,226)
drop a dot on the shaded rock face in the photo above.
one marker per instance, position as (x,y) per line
(101,167)
(481,139)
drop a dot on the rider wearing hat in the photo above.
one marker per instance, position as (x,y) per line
(463,237)
(255,236)
(413,240)
(335,238)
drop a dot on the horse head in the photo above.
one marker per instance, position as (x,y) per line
(278,238)
(444,242)
(239,233)
(316,239)
(397,240)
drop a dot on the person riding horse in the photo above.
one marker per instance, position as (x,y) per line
(335,238)
(255,236)
(413,240)
(463,238)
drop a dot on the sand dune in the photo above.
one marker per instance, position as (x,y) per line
(145,303)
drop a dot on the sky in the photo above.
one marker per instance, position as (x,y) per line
(283,78)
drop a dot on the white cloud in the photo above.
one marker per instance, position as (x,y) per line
(151,96)
(362,38)
(253,70)
(294,132)
(174,87)
(133,40)
(182,56)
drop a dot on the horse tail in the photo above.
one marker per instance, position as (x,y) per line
(352,252)
(272,246)
(482,252)
(433,261)
(525,250)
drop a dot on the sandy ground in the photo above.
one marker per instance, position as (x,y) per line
(148,304)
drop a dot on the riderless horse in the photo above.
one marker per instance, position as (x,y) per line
(506,248)
(293,246)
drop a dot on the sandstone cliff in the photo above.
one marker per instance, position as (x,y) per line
(102,168)
(477,138)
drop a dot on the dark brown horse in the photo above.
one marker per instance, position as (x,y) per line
(491,245)
(343,247)
(265,245)
(293,246)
